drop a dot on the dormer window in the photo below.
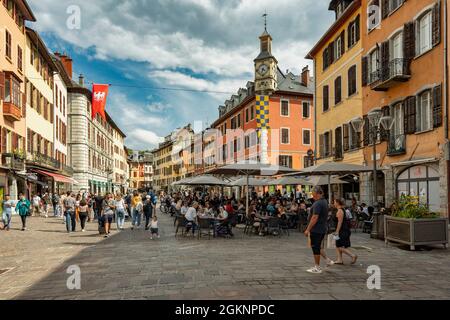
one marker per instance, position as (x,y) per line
(339,9)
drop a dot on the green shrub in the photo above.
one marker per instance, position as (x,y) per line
(409,207)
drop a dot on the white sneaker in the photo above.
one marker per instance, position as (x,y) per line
(330,263)
(82,230)
(315,270)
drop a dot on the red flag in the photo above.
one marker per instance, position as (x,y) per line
(99,95)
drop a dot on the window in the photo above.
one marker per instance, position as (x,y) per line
(424,112)
(338,48)
(285,161)
(354,32)
(373,66)
(327,144)
(398,119)
(8,50)
(306,110)
(19,58)
(424,33)
(247,118)
(396,47)
(326,99)
(306,137)
(394,5)
(252,112)
(308,161)
(233,123)
(337,90)
(352,81)
(12,91)
(284,108)
(285,136)
(239,120)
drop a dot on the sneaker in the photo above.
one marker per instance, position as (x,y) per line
(315,269)
(151,238)
(330,263)
(106,236)
(83,230)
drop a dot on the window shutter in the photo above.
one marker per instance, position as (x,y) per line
(410,115)
(437,24)
(385,60)
(366,131)
(349,34)
(358,28)
(2,85)
(384,9)
(325,58)
(331,53)
(365,70)
(24,105)
(437,106)
(342,42)
(330,143)
(338,143)
(346,128)
(4,139)
(409,43)
(385,132)
(337,90)
(321,146)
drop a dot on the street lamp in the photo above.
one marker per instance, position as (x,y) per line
(377,123)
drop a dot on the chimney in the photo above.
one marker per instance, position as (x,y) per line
(81,80)
(305,76)
(66,62)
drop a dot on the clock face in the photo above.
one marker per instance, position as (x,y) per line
(262,70)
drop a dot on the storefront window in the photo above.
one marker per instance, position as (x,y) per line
(423,182)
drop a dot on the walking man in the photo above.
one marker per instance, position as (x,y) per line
(69,212)
(36,205)
(317,228)
(8,207)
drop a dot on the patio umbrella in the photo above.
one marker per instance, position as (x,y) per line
(251,169)
(205,180)
(181,182)
(242,182)
(289,181)
(332,168)
(323,180)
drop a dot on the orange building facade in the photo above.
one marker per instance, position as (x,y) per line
(290,116)
(403,48)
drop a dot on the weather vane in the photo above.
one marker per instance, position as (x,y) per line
(265,20)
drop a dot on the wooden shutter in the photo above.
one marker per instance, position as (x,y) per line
(356,138)
(384,9)
(358,28)
(346,134)
(342,42)
(4,140)
(437,106)
(337,90)
(326,98)
(325,58)
(2,85)
(349,34)
(436,37)
(331,53)
(24,105)
(338,143)
(366,131)
(321,146)
(409,44)
(385,60)
(365,70)
(410,115)
(384,136)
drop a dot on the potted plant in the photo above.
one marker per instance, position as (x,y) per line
(413,224)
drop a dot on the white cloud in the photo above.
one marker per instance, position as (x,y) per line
(144,138)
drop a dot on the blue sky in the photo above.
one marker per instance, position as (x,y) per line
(205,45)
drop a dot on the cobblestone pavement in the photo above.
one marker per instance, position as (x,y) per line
(129,265)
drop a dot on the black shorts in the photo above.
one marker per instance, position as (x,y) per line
(316,242)
(154,230)
(108,218)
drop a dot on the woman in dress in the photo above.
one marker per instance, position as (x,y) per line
(343,233)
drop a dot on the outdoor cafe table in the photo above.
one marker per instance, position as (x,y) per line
(213,221)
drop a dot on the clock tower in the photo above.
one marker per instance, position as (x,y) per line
(266,66)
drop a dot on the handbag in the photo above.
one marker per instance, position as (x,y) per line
(331,242)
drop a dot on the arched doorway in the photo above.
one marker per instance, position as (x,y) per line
(421,181)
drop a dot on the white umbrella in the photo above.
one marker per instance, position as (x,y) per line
(332,168)
(251,169)
(205,180)
(289,181)
(323,180)
(242,182)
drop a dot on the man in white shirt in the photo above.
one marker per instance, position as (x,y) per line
(191,217)
(36,201)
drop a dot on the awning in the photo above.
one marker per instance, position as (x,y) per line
(57,177)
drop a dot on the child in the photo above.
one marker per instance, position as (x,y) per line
(154,227)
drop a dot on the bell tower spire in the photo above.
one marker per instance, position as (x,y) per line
(266,65)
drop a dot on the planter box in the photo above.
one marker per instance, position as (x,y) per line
(416,232)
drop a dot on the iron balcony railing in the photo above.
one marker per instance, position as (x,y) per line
(397,144)
(397,67)
(43,159)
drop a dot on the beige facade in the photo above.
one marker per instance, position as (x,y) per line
(120,167)
(12,95)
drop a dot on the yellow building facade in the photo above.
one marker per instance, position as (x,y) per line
(338,87)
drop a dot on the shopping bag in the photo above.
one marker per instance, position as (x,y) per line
(331,242)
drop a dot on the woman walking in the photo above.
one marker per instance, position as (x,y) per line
(83,213)
(137,209)
(23,208)
(343,233)
(148,211)
(120,211)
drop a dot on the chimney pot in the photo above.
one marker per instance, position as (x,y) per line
(305,76)
(81,80)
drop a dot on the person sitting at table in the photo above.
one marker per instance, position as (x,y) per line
(207,211)
(282,213)
(271,210)
(191,217)
(229,207)
(184,208)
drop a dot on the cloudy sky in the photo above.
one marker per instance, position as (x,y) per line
(142,47)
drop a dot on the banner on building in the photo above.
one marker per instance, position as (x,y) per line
(99,95)
(262,113)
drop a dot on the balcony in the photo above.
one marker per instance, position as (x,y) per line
(66,170)
(11,111)
(40,159)
(397,145)
(395,72)
(13,161)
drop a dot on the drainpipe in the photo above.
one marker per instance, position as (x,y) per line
(445,88)
(315,111)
